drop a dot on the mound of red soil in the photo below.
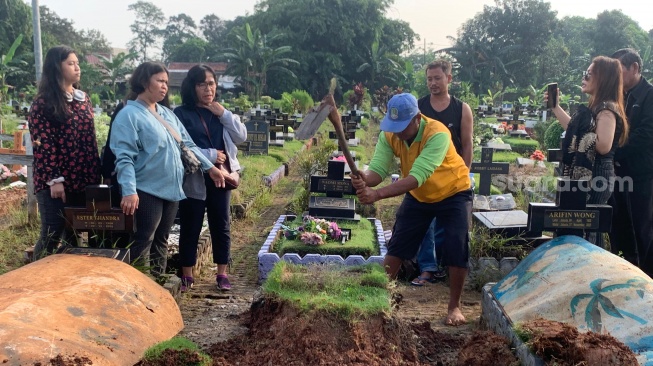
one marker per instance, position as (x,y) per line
(565,345)
(486,348)
(280,335)
(437,348)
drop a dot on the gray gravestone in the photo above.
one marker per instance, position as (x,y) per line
(257,138)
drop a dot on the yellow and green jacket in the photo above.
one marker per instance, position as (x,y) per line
(431,159)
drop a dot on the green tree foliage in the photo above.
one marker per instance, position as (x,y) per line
(180,29)
(615,30)
(116,68)
(326,37)
(15,19)
(193,50)
(252,58)
(552,136)
(146,32)
(380,66)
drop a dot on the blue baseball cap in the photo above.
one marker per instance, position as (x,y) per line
(402,108)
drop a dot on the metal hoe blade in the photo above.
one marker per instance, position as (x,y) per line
(312,122)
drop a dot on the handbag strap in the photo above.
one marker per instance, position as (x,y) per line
(165,124)
(206,127)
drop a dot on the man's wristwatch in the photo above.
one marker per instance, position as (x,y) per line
(54,181)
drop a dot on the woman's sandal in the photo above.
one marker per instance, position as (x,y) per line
(421,281)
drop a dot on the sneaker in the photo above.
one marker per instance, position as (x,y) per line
(186,283)
(223,282)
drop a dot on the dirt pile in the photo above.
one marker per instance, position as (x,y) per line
(565,345)
(60,360)
(280,335)
(486,348)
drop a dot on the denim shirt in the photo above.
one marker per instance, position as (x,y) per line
(147,157)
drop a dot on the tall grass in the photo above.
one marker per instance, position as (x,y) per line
(16,235)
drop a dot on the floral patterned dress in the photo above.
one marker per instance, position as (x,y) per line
(66,148)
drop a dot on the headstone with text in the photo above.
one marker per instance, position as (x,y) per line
(486,168)
(98,218)
(335,186)
(257,138)
(570,214)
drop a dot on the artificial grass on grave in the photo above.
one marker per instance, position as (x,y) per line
(363,241)
(349,292)
(521,145)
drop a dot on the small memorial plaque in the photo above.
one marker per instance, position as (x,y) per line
(332,185)
(571,219)
(93,220)
(257,137)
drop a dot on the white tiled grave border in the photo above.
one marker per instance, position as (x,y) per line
(267,260)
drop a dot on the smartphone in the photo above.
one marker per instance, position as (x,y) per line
(552,90)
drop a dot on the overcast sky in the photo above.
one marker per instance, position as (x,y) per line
(433,20)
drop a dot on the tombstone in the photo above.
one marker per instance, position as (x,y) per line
(334,184)
(522,162)
(276,133)
(570,214)
(487,169)
(495,202)
(554,156)
(99,218)
(257,138)
(287,123)
(498,146)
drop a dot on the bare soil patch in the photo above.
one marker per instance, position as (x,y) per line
(566,346)
(11,198)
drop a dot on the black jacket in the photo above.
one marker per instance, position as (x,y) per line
(636,157)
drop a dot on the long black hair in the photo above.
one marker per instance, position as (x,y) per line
(51,87)
(196,75)
(140,80)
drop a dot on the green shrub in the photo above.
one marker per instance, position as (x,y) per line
(298,100)
(102,130)
(552,136)
(539,131)
(175,99)
(522,145)
(95,99)
(157,352)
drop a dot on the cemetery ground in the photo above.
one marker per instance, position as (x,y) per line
(244,327)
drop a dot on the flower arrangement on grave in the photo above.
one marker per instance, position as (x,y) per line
(537,155)
(314,231)
(5,173)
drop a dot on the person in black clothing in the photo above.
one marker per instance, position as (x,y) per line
(632,204)
(457,116)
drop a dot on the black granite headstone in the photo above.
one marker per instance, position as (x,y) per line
(487,169)
(335,185)
(570,214)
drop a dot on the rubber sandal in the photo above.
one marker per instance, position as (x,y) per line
(421,281)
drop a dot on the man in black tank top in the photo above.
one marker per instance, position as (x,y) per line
(457,116)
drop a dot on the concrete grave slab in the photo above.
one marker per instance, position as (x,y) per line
(98,308)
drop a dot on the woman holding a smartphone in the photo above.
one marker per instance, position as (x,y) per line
(595,131)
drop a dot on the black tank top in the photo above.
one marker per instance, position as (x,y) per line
(450,117)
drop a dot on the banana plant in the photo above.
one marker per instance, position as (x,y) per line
(6,69)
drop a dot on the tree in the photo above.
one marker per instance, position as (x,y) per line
(615,30)
(180,29)
(15,19)
(326,37)
(116,68)
(93,41)
(253,58)
(381,66)
(193,50)
(6,67)
(502,43)
(146,33)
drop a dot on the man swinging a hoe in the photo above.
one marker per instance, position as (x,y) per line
(435,181)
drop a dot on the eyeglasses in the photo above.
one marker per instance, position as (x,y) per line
(586,75)
(210,84)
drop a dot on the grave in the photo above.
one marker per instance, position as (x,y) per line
(487,169)
(499,146)
(257,138)
(554,156)
(275,140)
(572,281)
(570,214)
(334,184)
(286,124)
(522,162)
(98,218)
